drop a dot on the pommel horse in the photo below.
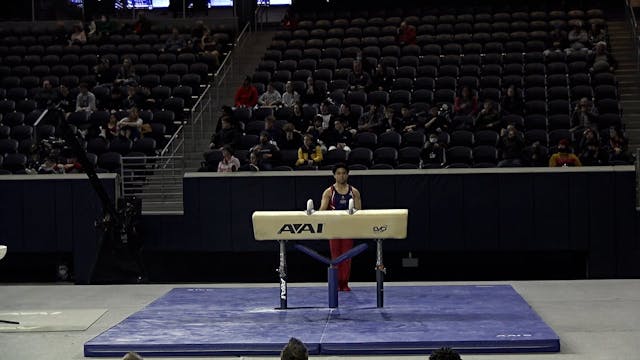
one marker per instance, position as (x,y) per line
(286,226)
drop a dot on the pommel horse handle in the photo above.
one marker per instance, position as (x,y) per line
(352,208)
(310,207)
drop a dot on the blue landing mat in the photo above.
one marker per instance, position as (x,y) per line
(415,320)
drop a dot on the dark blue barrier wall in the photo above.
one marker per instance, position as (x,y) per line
(582,210)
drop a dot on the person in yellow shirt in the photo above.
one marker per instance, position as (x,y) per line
(310,153)
(564,157)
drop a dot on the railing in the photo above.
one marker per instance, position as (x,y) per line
(631,16)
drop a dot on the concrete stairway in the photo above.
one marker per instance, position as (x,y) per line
(622,47)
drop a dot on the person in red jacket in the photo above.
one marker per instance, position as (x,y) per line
(247,94)
(406,34)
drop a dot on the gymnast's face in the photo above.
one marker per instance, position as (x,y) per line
(341,176)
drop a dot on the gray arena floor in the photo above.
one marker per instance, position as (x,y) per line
(595,319)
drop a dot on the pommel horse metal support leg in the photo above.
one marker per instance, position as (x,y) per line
(282,272)
(380,271)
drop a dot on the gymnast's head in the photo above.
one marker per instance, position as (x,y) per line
(294,350)
(445,354)
(341,173)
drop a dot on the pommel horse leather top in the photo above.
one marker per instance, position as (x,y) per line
(330,224)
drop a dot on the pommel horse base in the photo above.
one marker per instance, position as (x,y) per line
(286,226)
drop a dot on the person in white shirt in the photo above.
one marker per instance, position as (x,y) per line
(85,101)
(229,163)
(290,96)
(271,97)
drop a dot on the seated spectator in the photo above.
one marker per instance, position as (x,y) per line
(126,73)
(271,97)
(372,120)
(105,27)
(253,164)
(445,354)
(592,154)
(116,100)
(489,118)
(210,46)
(390,122)
(337,137)
(142,25)
(535,155)
(578,38)
(267,152)
(246,95)
(316,128)
(310,153)
(78,37)
(348,118)
(511,146)
(564,157)
(60,35)
(292,139)
(290,96)
(326,115)
(175,42)
(227,111)
(587,136)
(102,72)
(381,80)
(294,350)
(406,34)
(618,145)
(66,100)
(290,20)
(229,163)
(558,39)
(312,94)
(110,130)
(50,166)
(130,126)
(275,133)
(46,96)
(432,153)
(227,136)
(437,120)
(597,33)
(584,116)
(358,79)
(466,103)
(408,122)
(297,119)
(85,101)
(197,31)
(601,60)
(512,102)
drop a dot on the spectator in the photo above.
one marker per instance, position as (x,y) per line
(337,137)
(312,94)
(432,153)
(246,95)
(437,121)
(372,120)
(390,122)
(210,46)
(512,102)
(578,38)
(381,80)
(601,60)
(60,36)
(488,118)
(50,166)
(275,133)
(292,139)
(297,119)
(229,163)
(104,26)
(66,100)
(126,73)
(227,136)
(78,37)
(348,117)
(406,34)
(584,116)
(408,121)
(290,96)
(445,353)
(102,72)
(618,144)
(46,96)
(597,33)
(290,20)
(564,157)
(316,128)
(592,154)
(271,97)
(267,152)
(175,42)
(110,130)
(511,145)
(85,101)
(142,25)
(294,350)
(325,112)
(535,155)
(131,125)
(253,164)
(197,32)
(588,135)
(227,111)
(466,103)
(358,79)
(310,153)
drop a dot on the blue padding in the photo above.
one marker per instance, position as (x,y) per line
(314,254)
(415,320)
(349,254)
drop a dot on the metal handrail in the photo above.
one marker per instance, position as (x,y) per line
(631,16)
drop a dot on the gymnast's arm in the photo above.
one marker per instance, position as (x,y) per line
(356,199)
(326,199)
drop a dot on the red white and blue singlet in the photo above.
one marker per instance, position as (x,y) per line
(340,201)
